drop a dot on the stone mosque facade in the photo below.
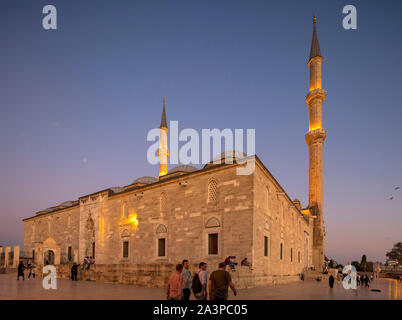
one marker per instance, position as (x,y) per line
(203,214)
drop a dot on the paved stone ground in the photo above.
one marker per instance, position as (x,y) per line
(10,288)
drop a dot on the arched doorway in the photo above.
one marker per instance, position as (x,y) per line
(50,251)
(49,257)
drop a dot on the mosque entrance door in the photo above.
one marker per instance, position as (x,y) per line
(49,257)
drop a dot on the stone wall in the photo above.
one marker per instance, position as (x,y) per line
(182,222)
(62,227)
(276,218)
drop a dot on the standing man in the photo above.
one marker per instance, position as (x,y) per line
(186,275)
(21,269)
(74,271)
(174,287)
(331,281)
(203,279)
(218,284)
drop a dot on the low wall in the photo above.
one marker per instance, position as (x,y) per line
(157,275)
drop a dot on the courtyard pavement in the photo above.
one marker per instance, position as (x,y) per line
(31,289)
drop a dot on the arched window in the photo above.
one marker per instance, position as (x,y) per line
(212,223)
(161,229)
(124,210)
(125,233)
(163,202)
(212,191)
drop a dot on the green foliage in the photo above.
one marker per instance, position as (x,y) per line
(396,253)
(356,264)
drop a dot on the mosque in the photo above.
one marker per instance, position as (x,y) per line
(197,214)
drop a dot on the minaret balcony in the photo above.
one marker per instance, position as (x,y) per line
(317,135)
(316,93)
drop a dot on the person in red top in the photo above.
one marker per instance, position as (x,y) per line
(174,286)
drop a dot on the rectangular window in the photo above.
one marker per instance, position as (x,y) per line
(161,247)
(33,255)
(281,251)
(265,246)
(291,254)
(298,257)
(125,249)
(69,254)
(213,243)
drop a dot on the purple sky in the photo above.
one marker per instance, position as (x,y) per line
(92,89)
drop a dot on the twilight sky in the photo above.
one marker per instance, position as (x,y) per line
(76,103)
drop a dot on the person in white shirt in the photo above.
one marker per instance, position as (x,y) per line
(202,274)
(187,281)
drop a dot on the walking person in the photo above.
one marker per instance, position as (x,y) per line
(366,281)
(187,281)
(219,282)
(21,269)
(200,282)
(331,281)
(174,287)
(31,268)
(74,271)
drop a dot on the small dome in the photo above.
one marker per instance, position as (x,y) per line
(66,204)
(182,168)
(233,155)
(145,180)
(117,189)
(297,203)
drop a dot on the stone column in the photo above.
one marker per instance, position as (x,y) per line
(16,255)
(1,252)
(76,258)
(57,254)
(7,251)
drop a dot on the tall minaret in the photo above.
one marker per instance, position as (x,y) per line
(315,140)
(163,151)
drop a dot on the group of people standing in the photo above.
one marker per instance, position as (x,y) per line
(88,261)
(21,267)
(181,283)
(363,280)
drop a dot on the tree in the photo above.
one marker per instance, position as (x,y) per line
(396,253)
(363,263)
(332,263)
(356,265)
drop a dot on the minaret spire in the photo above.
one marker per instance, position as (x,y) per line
(315,46)
(163,151)
(163,120)
(315,140)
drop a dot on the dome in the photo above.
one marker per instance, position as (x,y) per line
(233,155)
(230,154)
(66,204)
(117,189)
(145,180)
(182,168)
